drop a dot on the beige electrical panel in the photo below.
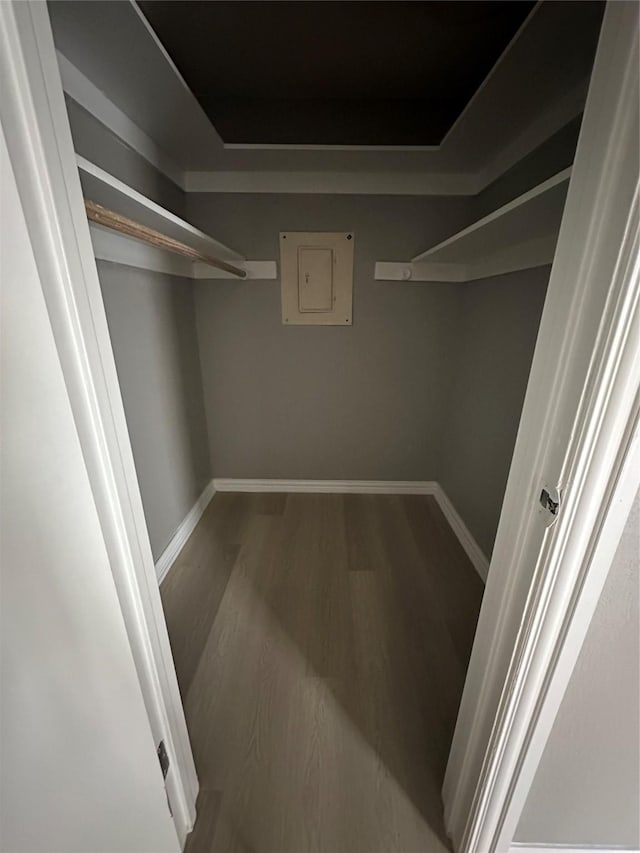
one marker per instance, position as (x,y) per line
(316,273)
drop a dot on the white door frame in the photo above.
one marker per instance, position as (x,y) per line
(578,433)
(35,121)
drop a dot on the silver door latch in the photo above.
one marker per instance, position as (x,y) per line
(550,501)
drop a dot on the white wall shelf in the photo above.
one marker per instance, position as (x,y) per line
(105,189)
(519,235)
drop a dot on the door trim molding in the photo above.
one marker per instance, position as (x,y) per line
(578,432)
(36,125)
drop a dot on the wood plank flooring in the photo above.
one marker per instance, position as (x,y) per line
(321,644)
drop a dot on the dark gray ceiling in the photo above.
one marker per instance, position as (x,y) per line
(335,73)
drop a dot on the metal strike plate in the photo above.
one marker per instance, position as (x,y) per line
(550,501)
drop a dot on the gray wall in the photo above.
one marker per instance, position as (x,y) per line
(428,383)
(491,357)
(587,787)
(152,328)
(96,143)
(327,402)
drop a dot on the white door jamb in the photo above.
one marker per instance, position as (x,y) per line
(578,433)
(35,122)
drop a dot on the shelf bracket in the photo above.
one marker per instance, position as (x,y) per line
(417,272)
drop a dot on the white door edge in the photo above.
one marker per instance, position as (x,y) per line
(575,433)
(39,140)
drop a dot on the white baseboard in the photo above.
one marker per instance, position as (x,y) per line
(166,559)
(353,487)
(516,847)
(370,487)
(473,550)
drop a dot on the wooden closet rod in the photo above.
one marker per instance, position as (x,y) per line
(118,222)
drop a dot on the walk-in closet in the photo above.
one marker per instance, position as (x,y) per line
(323,234)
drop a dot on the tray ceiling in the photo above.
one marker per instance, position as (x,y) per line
(114,65)
(335,73)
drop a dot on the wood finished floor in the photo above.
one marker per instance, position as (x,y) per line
(321,644)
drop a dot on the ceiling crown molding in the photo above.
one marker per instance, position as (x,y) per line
(330,183)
